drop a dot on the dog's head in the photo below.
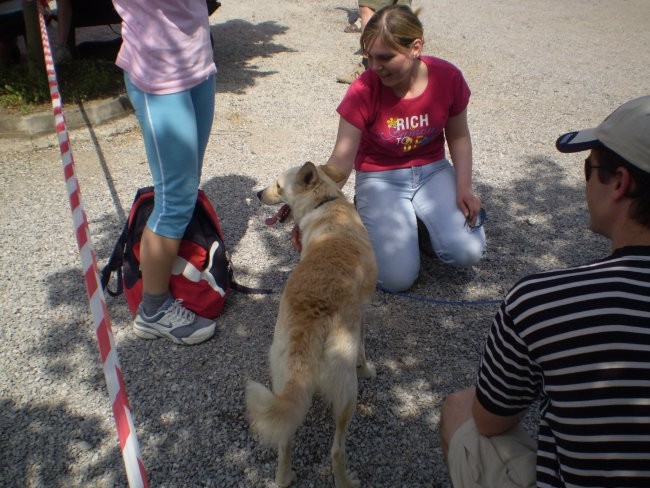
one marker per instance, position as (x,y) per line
(301,189)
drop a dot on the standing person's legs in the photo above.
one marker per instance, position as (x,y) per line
(170,137)
(175,136)
(383,199)
(63,24)
(365,12)
(367,8)
(435,205)
(203,101)
(475,461)
(176,129)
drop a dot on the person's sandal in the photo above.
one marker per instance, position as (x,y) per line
(350,77)
(352,28)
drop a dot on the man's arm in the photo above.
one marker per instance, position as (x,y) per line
(489,424)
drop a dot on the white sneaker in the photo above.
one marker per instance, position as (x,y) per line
(174,322)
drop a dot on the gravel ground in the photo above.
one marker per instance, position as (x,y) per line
(536,69)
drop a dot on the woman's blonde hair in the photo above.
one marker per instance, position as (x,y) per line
(396,25)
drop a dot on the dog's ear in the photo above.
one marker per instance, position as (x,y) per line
(307,175)
(333,172)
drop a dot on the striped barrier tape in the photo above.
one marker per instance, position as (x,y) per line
(135,471)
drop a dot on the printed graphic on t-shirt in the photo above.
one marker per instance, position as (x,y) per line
(408,132)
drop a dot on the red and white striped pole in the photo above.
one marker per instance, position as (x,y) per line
(135,472)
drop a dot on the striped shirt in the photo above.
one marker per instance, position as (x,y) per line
(579,341)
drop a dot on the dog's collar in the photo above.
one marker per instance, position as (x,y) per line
(327,200)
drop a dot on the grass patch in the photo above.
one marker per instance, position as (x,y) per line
(23,92)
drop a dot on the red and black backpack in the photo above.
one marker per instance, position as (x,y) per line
(202,275)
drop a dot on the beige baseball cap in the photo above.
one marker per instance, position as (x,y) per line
(626,132)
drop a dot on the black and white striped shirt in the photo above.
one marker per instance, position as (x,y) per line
(579,341)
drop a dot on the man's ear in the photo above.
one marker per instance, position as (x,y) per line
(622,183)
(307,175)
(332,172)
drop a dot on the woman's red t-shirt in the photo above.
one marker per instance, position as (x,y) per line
(400,133)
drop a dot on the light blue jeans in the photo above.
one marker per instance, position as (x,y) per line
(390,202)
(175,128)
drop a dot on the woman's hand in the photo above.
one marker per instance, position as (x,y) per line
(469,203)
(460,150)
(342,158)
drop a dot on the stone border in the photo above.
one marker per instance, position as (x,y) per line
(96,112)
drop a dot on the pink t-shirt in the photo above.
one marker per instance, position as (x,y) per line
(401,133)
(166,44)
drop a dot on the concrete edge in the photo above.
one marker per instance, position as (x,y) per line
(76,116)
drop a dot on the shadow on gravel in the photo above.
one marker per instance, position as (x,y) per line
(41,446)
(188,403)
(540,207)
(233,197)
(236,42)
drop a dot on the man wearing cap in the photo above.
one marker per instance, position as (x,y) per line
(577,341)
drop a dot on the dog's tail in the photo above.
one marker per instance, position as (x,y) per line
(277,417)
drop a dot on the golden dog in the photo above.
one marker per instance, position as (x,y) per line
(318,341)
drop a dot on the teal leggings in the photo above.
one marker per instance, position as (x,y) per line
(175,128)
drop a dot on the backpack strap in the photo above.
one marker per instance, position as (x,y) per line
(243,288)
(248,290)
(115,264)
(116,261)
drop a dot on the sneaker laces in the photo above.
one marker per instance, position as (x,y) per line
(179,313)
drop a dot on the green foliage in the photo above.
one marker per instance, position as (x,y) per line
(79,80)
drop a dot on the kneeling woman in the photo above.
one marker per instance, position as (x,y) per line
(394,121)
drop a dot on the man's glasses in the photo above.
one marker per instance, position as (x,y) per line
(588,168)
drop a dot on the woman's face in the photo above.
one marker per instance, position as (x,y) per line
(393,67)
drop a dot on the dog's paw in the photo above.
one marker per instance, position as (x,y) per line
(366,370)
(351,480)
(285,479)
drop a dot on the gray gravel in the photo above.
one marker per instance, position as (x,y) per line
(536,69)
